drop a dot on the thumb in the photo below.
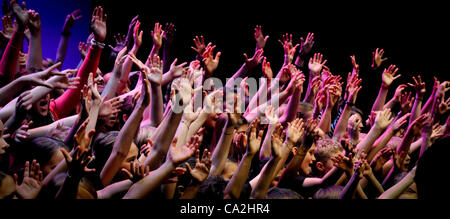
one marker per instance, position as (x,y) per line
(125,171)
(188,167)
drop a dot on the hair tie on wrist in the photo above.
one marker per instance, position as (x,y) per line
(96,43)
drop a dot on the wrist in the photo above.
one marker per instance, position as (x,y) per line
(384,86)
(98,44)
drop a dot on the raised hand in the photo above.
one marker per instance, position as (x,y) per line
(38,78)
(381,158)
(20,13)
(34,22)
(234,112)
(137,171)
(255,60)
(32,181)
(399,123)
(120,43)
(180,154)
(417,124)
(295,131)
(288,47)
(157,35)
(156,71)
(353,88)
(419,86)
(267,70)
(77,164)
(406,102)
(189,115)
(271,115)
(378,58)
(82,48)
(443,106)
(22,134)
(64,81)
(255,137)
(177,70)
(259,37)
(70,20)
(306,45)
(278,136)
(169,33)
(98,24)
(110,107)
(316,64)
(8,29)
(137,36)
(202,167)
(211,100)
(82,138)
(383,119)
(199,45)
(388,75)
(344,162)
(211,63)
(354,64)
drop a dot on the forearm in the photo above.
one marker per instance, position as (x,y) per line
(260,190)
(429,104)
(325,121)
(415,111)
(310,95)
(44,130)
(241,73)
(153,52)
(10,90)
(163,138)
(121,146)
(341,125)
(259,98)
(113,189)
(401,186)
(377,185)
(156,104)
(266,147)
(234,187)
(35,53)
(368,140)
(220,153)
(182,132)
(62,49)
(68,101)
(292,107)
(380,143)
(381,98)
(151,182)
(10,57)
(197,124)
(350,187)
(390,104)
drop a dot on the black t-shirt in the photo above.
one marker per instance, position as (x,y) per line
(296,185)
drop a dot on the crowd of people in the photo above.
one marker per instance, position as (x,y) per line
(173,131)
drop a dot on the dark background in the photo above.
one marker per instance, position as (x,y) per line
(414,35)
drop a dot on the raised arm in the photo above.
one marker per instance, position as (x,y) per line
(123,142)
(419,87)
(34,61)
(292,106)
(315,66)
(64,104)
(154,179)
(10,58)
(387,78)
(234,186)
(64,40)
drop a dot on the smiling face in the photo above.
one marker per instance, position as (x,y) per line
(308,160)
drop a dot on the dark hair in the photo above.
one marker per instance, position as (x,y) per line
(126,109)
(102,146)
(331,192)
(281,193)
(42,149)
(212,188)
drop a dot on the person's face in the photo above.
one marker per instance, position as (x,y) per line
(239,135)
(56,158)
(406,162)
(100,81)
(8,188)
(132,156)
(308,160)
(111,120)
(3,144)
(355,124)
(42,105)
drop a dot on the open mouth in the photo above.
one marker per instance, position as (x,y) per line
(43,103)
